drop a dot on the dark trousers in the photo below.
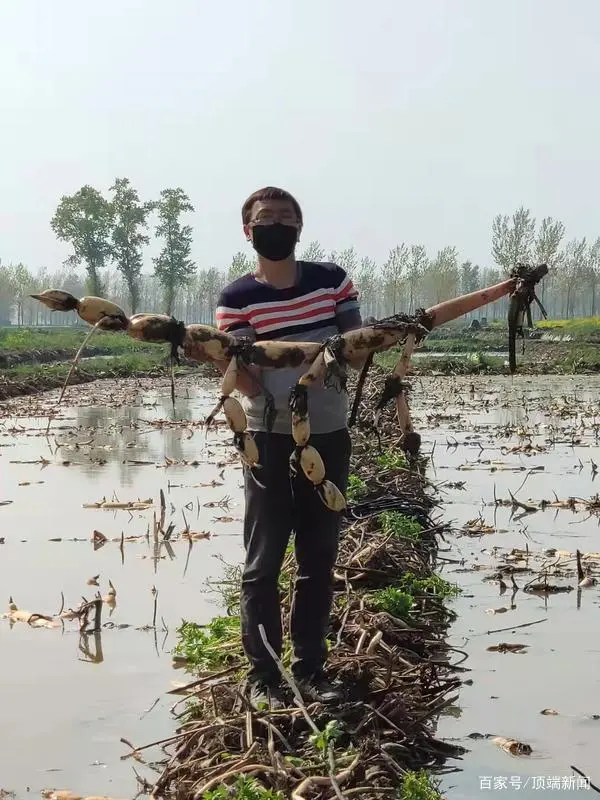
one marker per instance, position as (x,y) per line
(287,504)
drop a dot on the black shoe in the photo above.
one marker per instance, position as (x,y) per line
(266,695)
(320,689)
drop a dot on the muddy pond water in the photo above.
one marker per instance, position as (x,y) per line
(66,702)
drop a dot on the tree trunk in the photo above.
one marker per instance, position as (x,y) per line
(95,288)
(134,295)
(169,298)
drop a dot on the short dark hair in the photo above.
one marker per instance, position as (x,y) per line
(269,193)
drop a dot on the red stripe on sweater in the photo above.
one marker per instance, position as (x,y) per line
(345,292)
(287,306)
(292,318)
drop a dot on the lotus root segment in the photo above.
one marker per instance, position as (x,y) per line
(246,447)
(235,416)
(331,496)
(230,377)
(156,328)
(93,310)
(305,455)
(299,409)
(307,458)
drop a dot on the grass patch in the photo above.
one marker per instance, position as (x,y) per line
(581,359)
(244,789)
(419,786)
(433,584)
(212,646)
(15,340)
(392,458)
(578,327)
(228,586)
(330,734)
(470,342)
(285,575)
(482,361)
(476,363)
(357,488)
(388,359)
(119,365)
(392,600)
(395,524)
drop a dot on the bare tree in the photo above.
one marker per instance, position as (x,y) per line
(594,274)
(415,269)
(173,266)
(513,238)
(365,280)
(346,259)
(393,274)
(573,273)
(313,252)
(240,265)
(130,219)
(547,250)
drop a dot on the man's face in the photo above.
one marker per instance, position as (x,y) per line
(266,212)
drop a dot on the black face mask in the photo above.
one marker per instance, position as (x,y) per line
(274,242)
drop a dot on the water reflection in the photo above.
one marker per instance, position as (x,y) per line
(95,655)
(126,435)
(556,416)
(109,449)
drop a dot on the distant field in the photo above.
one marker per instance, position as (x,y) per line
(125,364)
(578,327)
(17,340)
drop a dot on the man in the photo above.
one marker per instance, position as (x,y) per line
(305,301)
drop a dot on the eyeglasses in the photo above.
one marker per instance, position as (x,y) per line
(269,218)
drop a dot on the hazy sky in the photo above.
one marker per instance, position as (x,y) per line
(391,121)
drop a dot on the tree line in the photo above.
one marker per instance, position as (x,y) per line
(108,237)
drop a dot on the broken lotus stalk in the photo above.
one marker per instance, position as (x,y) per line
(324,361)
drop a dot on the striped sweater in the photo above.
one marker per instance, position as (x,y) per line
(322,302)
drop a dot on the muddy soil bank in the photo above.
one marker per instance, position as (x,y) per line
(35,384)
(39,381)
